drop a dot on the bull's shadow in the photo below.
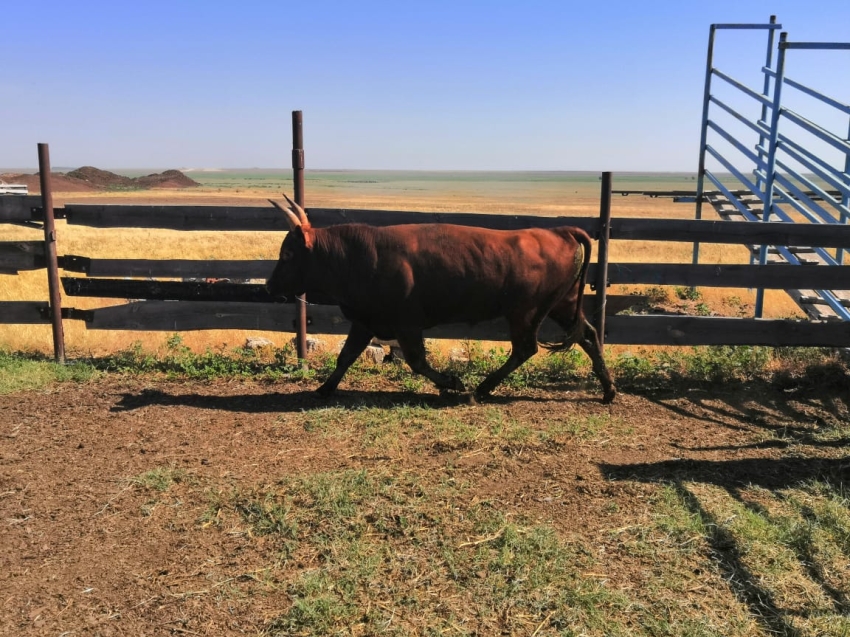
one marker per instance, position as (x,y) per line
(274,402)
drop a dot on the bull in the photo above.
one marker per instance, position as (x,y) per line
(393,282)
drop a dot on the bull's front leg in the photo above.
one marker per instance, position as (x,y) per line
(358,339)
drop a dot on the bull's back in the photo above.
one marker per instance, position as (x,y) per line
(448,273)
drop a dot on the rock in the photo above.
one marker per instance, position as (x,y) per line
(257,342)
(313,344)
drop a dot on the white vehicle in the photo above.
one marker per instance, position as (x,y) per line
(13,189)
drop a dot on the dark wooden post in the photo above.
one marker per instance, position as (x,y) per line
(298,187)
(50,253)
(602,255)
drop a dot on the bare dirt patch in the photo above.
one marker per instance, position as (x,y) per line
(89,549)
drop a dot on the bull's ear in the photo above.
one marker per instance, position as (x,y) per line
(302,216)
(291,218)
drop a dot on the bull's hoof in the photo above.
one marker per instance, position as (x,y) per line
(325,392)
(609,396)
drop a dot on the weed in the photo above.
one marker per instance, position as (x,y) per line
(687,293)
(159,478)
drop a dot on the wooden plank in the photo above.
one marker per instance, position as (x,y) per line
(173,316)
(696,330)
(269,219)
(176,217)
(773,276)
(24,312)
(18,207)
(772,233)
(237,292)
(166,290)
(21,255)
(170,268)
(321,319)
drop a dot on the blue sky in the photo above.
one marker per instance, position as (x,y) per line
(456,85)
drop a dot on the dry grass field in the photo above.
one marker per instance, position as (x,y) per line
(508,198)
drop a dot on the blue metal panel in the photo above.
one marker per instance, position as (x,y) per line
(821,194)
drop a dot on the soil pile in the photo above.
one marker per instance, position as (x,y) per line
(100,179)
(89,178)
(166,179)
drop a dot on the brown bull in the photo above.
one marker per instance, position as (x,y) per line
(394,282)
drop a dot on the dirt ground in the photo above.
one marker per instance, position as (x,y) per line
(85,551)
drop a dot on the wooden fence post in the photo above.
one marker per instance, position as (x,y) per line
(50,253)
(602,255)
(298,187)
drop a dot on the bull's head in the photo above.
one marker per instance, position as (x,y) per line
(290,274)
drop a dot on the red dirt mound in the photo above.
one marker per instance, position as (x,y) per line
(166,179)
(89,178)
(100,178)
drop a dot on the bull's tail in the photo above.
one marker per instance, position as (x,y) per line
(575,328)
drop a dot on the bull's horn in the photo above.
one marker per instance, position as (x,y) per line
(298,209)
(291,219)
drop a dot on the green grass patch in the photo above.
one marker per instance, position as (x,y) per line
(22,372)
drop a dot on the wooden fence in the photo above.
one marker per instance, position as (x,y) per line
(202,305)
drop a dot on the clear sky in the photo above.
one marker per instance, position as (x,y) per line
(454,85)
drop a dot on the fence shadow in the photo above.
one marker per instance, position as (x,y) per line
(798,417)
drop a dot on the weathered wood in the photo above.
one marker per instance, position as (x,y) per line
(773,276)
(773,232)
(167,290)
(697,330)
(235,292)
(179,317)
(170,268)
(269,219)
(21,255)
(24,312)
(18,207)
(321,319)
(176,217)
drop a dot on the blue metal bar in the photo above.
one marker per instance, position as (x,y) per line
(766,89)
(771,26)
(817,95)
(743,88)
(771,159)
(757,127)
(816,207)
(845,201)
(738,145)
(703,134)
(831,175)
(732,169)
(817,131)
(749,216)
(818,46)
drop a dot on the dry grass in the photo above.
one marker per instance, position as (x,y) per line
(162,244)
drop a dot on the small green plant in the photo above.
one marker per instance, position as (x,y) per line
(684,293)
(159,478)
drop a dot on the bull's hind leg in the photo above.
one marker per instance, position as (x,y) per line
(413,346)
(523,347)
(589,342)
(358,338)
